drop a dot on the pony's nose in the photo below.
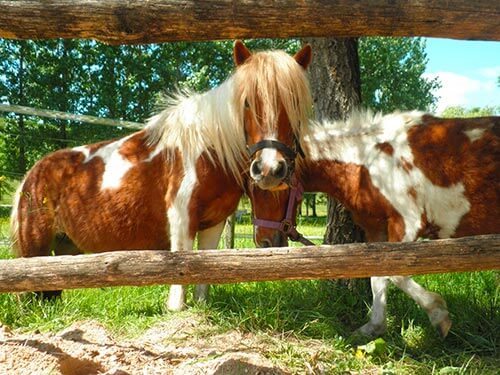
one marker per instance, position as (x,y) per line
(278,170)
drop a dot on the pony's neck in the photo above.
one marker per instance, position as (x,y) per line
(340,154)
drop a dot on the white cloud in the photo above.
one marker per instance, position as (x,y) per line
(490,72)
(460,90)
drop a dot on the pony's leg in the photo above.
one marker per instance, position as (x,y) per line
(431,302)
(180,240)
(377,324)
(32,233)
(177,295)
(207,239)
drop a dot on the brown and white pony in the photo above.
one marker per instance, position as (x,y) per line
(183,174)
(403,176)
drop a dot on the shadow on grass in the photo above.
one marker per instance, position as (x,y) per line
(325,310)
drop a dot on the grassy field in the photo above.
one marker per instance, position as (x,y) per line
(307,310)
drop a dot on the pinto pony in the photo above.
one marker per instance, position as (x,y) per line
(183,174)
(403,176)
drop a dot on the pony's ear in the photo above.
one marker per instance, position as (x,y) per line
(240,53)
(304,56)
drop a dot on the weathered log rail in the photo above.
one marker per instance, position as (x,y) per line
(144,267)
(154,21)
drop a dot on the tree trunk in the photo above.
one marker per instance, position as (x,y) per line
(336,89)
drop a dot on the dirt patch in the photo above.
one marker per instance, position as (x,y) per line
(183,345)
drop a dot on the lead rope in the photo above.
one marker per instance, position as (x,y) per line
(287,225)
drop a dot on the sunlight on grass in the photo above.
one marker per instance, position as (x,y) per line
(309,314)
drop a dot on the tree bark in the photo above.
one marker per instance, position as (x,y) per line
(154,21)
(336,89)
(150,267)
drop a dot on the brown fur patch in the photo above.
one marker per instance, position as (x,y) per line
(351,184)
(428,230)
(412,193)
(446,156)
(215,196)
(407,166)
(385,147)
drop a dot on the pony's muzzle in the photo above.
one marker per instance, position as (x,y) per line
(278,239)
(268,175)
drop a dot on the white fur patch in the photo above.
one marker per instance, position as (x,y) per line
(475,134)
(178,212)
(178,222)
(443,206)
(115,165)
(269,158)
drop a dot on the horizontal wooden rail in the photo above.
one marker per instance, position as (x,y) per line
(228,266)
(58,115)
(154,21)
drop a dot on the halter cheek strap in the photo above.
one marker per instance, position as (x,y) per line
(287,225)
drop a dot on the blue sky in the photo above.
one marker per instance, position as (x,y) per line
(468,72)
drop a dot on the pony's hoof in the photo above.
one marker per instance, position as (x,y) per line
(48,295)
(176,298)
(175,308)
(444,327)
(201,293)
(371,330)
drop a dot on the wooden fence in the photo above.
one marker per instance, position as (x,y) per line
(118,22)
(149,267)
(135,21)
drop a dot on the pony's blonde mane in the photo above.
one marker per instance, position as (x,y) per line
(361,123)
(214,120)
(328,138)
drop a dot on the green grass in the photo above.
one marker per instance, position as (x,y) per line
(308,313)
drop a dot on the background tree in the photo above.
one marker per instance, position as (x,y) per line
(458,111)
(391,71)
(17,86)
(336,90)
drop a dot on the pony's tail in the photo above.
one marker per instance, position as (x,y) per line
(14,223)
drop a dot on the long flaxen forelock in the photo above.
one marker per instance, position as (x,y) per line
(195,123)
(268,78)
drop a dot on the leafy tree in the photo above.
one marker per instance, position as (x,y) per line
(17,86)
(458,111)
(391,74)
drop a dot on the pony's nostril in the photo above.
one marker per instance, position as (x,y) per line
(280,170)
(256,168)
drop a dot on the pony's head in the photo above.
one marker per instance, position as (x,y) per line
(274,95)
(274,214)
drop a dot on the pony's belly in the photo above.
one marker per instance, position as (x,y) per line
(103,241)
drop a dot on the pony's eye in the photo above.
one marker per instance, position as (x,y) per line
(247,105)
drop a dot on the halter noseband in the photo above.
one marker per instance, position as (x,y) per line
(288,225)
(289,153)
(270,143)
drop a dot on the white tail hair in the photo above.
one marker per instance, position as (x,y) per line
(14,222)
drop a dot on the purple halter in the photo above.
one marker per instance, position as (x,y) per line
(287,225)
